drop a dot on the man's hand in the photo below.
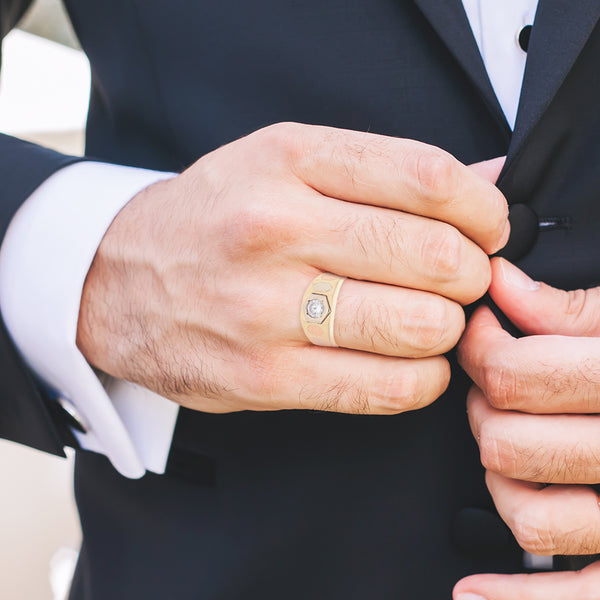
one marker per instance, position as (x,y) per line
(534,412)
(195,291)
(582,585)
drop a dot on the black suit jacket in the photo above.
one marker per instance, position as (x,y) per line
(299,504)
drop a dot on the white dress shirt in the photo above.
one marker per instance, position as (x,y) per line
(52,239)
(496,27)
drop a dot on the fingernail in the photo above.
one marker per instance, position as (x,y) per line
(470,597)
(514,277)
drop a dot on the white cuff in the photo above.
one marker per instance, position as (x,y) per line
(44,260)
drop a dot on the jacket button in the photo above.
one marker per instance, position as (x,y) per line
(478,532)
(524,36)
(524,228)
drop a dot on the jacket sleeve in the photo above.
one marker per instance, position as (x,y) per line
(10,13)
(27,414)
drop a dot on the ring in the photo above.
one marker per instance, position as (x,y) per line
(318,309)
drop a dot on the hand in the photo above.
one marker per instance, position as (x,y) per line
(195,291)
(533,411)
(583,585)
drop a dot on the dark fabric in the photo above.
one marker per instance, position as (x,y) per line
(284,505)
(25,413)
(302,506)
(559,35)
(556,171)
(450,22)
(10,13)
(297,504)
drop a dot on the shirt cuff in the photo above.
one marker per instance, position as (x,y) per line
(44,260)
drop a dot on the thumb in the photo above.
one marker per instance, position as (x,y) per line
(540,586)
(537,308)
(489,169)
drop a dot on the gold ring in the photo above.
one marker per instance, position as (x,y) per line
(318,309)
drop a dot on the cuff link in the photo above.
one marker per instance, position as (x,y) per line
(74,417)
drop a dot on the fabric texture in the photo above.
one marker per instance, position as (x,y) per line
(72,210)
(53,239)
(299,504)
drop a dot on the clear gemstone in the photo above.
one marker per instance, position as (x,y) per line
(315,308)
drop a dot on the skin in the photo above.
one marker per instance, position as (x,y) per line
(195,290)
(534,411)
(196,287)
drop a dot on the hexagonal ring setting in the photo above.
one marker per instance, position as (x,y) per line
(318,309)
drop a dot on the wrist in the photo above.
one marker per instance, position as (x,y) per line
(121,274)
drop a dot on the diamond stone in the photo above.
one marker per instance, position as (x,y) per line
(315,308)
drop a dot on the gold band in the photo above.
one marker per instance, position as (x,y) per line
(317,311)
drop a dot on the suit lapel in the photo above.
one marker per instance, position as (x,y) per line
(449,20)
(560,33)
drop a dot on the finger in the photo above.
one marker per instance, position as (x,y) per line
(537,308)
(538,448)
(389,320)
(537,374)
(403,175)
(392,247)
(540,586)
(353,382)
(557,519)
(489,169)
(395,321)
(330,379)
(368,317)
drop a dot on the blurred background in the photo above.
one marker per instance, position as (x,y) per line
(44,91)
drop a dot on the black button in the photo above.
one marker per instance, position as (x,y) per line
(524,228)
(524,36)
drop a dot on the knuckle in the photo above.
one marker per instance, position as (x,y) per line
(435,173)
(257,227)
(393,394)
(497,455)
(250,227)
(500,384)
(577,303)
(576,300)
(533,531)
(441,252)
(281,137)
(429,326)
